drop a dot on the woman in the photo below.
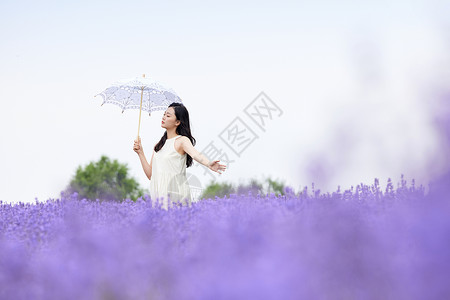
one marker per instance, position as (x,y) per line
(171,156)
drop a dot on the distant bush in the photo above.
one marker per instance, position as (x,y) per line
(275,187)
(217,189)
(104,180)
(268,186)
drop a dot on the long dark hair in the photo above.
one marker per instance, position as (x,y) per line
(182,114)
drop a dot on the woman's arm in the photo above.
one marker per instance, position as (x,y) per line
(145,165)
(199,157)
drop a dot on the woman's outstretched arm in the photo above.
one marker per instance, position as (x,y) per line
(199,157)
(145,165)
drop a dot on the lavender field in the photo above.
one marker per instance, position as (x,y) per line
(366,243)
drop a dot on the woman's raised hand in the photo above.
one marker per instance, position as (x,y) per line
(137,147)
(215,166)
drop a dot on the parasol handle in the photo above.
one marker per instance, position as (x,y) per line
(140,109)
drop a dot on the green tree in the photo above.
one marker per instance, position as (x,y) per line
(105,180)
(216,189)
(254,186)
(275,187)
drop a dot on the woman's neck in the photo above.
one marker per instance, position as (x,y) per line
(171,133)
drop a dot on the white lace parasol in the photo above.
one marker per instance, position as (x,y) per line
(139,93)
(127,95)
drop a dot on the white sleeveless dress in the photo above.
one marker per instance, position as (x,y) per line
(168,181)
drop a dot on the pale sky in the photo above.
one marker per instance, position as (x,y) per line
(357,85)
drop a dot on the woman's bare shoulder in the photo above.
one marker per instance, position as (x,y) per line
(184,139)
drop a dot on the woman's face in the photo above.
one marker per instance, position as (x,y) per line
(169,120)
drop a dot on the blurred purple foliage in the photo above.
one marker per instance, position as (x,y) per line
(362,243)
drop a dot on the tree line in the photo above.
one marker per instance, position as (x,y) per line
(110,180)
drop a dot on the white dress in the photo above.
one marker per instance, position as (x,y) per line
(168,181)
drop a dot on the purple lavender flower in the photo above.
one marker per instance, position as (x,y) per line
(359,243)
